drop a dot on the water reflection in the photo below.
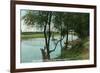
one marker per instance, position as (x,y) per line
(30,49)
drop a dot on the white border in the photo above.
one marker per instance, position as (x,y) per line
(60,63)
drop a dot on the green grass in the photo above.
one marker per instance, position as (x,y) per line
(27,35)
(32,36)
(77,52)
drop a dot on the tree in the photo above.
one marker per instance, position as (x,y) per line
(81,21)
(59,25)
(63,22)
(42,19)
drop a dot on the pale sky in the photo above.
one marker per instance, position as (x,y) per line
(25,28)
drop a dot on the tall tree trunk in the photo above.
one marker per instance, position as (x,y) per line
(49,33)
(46,42)
(46,47)
(61,32)
(61,37)
(67,37)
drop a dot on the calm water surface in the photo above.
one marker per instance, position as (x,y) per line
(30,49)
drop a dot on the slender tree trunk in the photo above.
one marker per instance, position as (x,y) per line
(61,32)
(49,33)
(46,42)
(61,37)
(67,37)
(46,47)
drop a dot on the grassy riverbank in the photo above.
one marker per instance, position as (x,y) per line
(27,35)
(36,35)
(77,52)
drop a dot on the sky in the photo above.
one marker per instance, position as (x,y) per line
(25,28)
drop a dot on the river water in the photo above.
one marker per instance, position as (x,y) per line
(30,49)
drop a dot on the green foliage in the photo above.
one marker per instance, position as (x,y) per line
(82,25)
(77,52)
(30,17)
(64,22)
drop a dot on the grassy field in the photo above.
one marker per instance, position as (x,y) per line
(32,36)
(76,53)
(27,35)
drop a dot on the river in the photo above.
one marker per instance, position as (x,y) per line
(30,49)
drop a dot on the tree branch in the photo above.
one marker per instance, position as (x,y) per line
(56,45)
